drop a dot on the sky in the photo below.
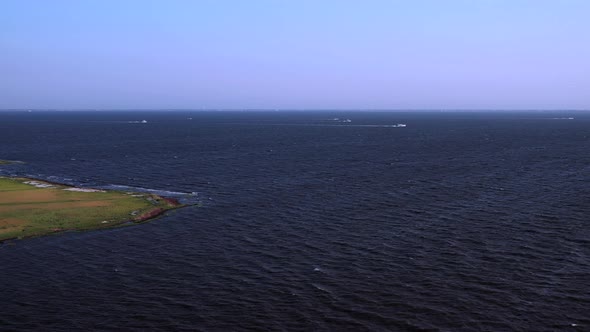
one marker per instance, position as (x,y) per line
(295,54)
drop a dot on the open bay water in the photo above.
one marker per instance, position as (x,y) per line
(457,222)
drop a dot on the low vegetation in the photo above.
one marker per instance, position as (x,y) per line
(33,208)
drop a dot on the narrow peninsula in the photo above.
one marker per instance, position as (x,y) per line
(30,207)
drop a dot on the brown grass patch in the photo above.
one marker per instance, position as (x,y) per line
(11,224)
(55,206)
(27,196)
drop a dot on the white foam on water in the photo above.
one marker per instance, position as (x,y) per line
(85,190)
(39,184)
(154,191)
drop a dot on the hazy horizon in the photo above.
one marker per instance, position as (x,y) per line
(421,55)
(288,110)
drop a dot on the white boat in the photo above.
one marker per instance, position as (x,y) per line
(399,125)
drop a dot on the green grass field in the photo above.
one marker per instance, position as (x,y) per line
(26,210)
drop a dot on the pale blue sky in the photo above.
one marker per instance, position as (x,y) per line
(304,54)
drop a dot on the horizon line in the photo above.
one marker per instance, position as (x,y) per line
(304,109)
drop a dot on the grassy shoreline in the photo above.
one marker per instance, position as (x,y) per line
(32,208)
(7,162)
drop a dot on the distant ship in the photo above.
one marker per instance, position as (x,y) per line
(399,125)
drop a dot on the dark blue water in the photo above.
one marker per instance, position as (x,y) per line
(458,222)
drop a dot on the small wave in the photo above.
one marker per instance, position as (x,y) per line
(322,288)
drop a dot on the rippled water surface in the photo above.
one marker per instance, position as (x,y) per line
(457,222)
